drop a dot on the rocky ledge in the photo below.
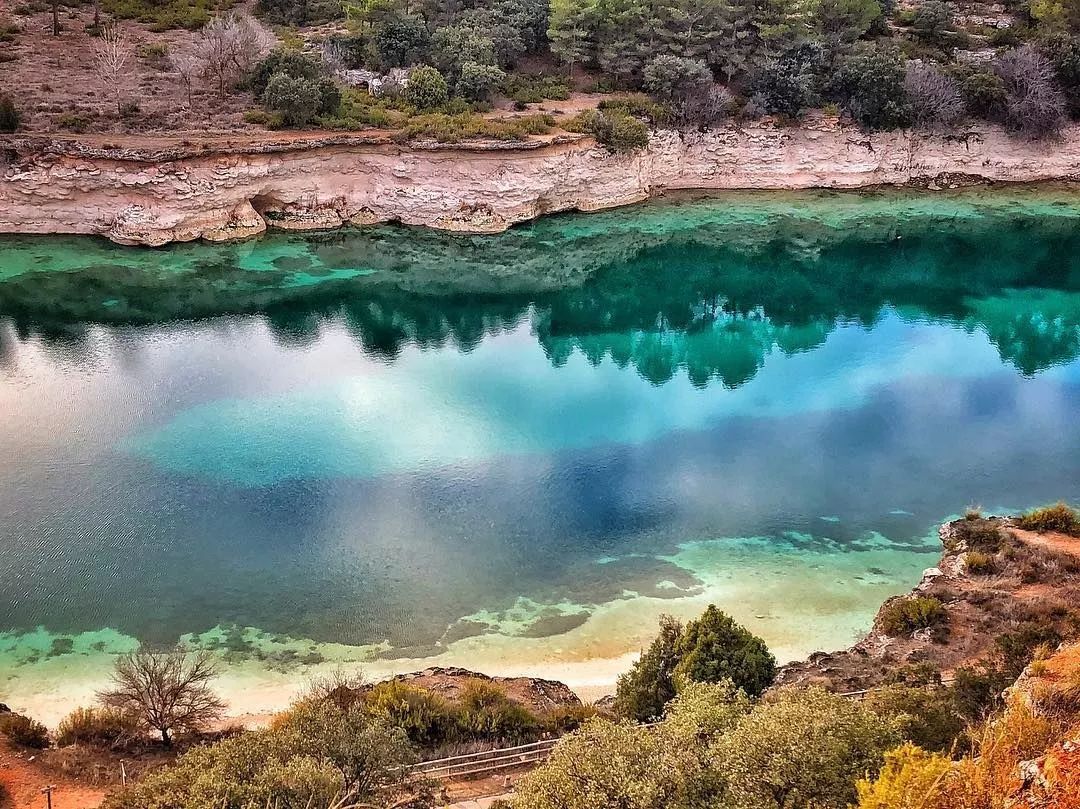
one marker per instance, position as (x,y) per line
(993,579)
(178,190)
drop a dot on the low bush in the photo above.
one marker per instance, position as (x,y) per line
(902,616)
(617,131)
(446,128)
(162,15)
(75,122)
(1034,105)
(24,730)
(427,89)
(1058,518)
(300,100)
(979,563)
(282,61)
(534,89)
(870,84)
(9,115)
(926,716)
(426,718)
(980,535)
(487,713)
(909,774)
(976,691)
(97,726)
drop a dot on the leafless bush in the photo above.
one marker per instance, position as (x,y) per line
(933,96)
(189,67)
(1034,105)
(168,692)
(112,56)
(228,48)
(705,106)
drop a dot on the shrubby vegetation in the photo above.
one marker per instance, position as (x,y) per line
(905,615)
(9,116)
(23,730)
(1058,518)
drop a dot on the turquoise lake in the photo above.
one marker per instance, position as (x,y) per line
(391,448)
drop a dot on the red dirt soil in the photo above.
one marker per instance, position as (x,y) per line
(24,781)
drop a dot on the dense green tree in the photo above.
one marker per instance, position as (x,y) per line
(570,30)
(287,62)
(478,82)
(932,21)
(453,46)
(870,84)
(427,89)
(793,82)
(714,648)
(642,692)
(802,748)
(676,78)
(1063,51)
(400,40)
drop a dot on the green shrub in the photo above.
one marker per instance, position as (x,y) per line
(74,122)
(487,713)
(617,131)
(1058,518)
(477,82)
(976,691)
(903,616)
(291,63)
(926,716)
(979,563)
(426,718)
(271,120)
(427,89)
(98,726)
(24,730)
(870,84)
(715,648)
(298,100)
(9,116)
(534,89)
(638,105)
(803,748)
(642,692)
(909,775)
(162,15)
(446,128)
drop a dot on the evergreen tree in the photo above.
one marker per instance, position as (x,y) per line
(715,648)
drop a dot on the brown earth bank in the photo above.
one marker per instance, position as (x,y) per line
(1030,579)
(160,190)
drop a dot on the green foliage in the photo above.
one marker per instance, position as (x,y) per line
(902,616)
(9,115)
(870,84)
(24,730)
(1063,51)
(478,82)
(300,12)
(400,40)
(926,716)
(426,718)
(446,128)
(702,712)
(803,748)
(1058,518)
(427,89)
(977,690)
(534,89)
(906,779)
(715,648)
(978,534)
(983,92)
(841,22)
(293,64)
(486,712)
(617,131)
(674,78)
(297,100)
(161,15)
(793,82)
(96,726)
(604,764)
(315,752)
(1017,647)
(642,692)
(932,21)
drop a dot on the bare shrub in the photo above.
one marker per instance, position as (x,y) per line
(705,106)
(228,48)
(1034,105)
(112,57)
(934,97)
(169,692)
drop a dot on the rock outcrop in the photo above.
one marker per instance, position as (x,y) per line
(179,191)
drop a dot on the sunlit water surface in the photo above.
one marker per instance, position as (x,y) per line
(393,448)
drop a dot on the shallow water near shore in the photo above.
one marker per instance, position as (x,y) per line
(393,448)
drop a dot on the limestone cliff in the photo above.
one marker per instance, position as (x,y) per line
(180,191)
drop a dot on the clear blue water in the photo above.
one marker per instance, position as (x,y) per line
(525,444)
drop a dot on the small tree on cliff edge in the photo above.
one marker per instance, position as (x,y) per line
(642,692)
(715,648)
(170,693)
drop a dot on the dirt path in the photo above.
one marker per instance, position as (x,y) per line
(24,782)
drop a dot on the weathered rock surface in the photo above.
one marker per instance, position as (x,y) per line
(178,191)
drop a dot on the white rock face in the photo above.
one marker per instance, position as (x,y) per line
(137,197)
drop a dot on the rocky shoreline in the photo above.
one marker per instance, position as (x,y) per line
(170,190)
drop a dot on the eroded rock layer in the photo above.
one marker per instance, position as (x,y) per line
(179,191)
